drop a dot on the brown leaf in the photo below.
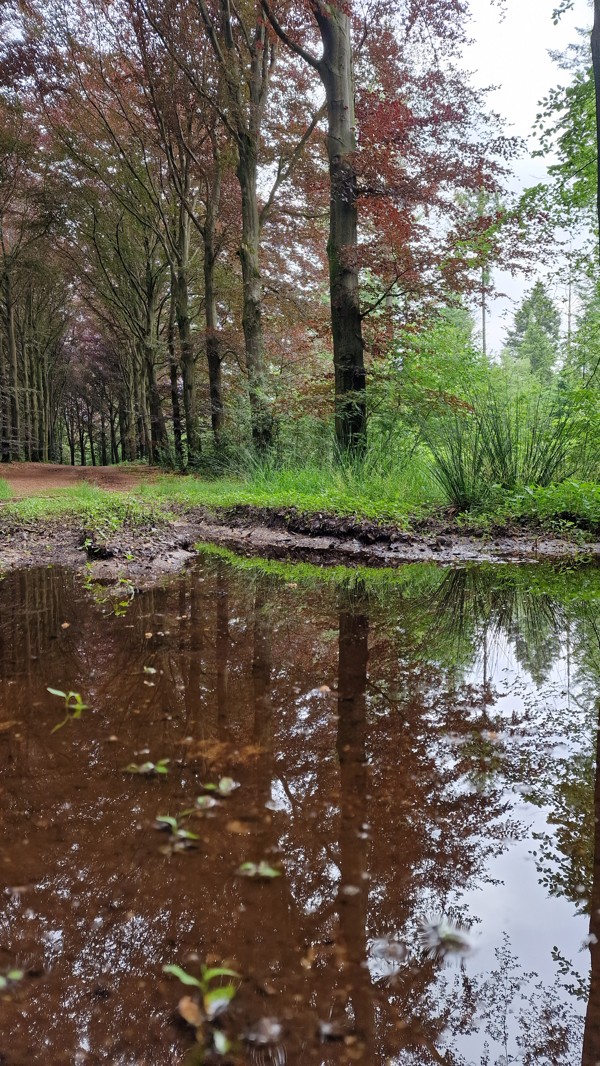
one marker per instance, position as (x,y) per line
(190,1011)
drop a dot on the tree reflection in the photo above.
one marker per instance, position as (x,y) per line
(385,796)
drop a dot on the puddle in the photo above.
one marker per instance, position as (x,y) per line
(396,858)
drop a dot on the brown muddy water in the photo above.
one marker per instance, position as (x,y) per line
(415,756)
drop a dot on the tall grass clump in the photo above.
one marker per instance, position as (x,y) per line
(502,442)
(5,489)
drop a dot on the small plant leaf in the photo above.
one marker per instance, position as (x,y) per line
(57,692)
(203,803)
(217,1000)
(185,978)
(262,870)
(227,785)
(165,821)
(214,972)
(221,1043)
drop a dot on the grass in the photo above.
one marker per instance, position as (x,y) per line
(397,495)
(95,507)
(357,490)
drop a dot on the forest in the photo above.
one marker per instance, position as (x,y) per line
(263,237)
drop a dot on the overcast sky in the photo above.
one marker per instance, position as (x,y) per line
(512,54)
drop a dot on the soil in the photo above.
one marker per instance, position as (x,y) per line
(34,479)
(140,554)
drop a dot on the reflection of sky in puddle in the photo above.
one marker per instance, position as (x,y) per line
(513,902)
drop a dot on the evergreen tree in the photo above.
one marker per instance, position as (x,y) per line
(535,336)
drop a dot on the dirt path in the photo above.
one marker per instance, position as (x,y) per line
(31,479)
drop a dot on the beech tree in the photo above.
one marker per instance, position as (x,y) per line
(245,56)
(187,161)
(369,151)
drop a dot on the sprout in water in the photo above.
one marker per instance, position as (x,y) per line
(147,769)
(441,938)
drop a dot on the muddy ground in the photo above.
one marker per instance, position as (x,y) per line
(144,552)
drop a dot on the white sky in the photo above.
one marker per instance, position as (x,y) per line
(512,54)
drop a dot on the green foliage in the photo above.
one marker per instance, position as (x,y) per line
(566,126)
(74,706)
(10,977)
(98,509)
(500,443)
(258,871)
(359,488)
(5,489)
(224,787)
(535,336)
(148,769)
(573,502)
(216,996)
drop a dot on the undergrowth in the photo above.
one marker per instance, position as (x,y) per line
(396,496)
(343,489)
(96,508)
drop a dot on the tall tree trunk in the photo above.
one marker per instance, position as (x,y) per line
(188,361)
(174,378)
(354,788)
(159,442)
(35,402)
(595,41)
(90,431)
(260,408)
(591,1033)
(213,346)
(112,419)
(4,407)
(336,72)
(14,427)
(103,448)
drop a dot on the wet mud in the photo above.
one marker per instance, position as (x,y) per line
(411,771)
(142,553)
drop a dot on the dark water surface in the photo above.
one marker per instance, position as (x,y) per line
(416,755)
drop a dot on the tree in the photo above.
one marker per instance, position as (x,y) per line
(535,336)
(375,161)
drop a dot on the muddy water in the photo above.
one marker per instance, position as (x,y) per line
(416,758)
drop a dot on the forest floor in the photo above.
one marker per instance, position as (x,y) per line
(33,479)
(134,524)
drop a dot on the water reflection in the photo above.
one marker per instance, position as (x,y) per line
(421,755)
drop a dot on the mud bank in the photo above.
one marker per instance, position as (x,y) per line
(143,552)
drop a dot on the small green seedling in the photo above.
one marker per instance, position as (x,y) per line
(180,838)
(74,706)
(164,821)
(148,769)
(201,803)
(215,997)
(225,786)
(260,872)
(12,977)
